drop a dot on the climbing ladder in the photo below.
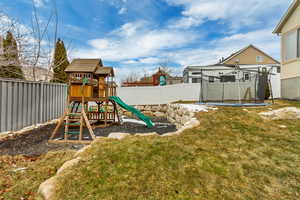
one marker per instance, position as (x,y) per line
(74,123)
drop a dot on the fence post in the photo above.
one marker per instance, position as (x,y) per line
(40,103)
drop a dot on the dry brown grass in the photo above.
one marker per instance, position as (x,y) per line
(233,154)
(21,176)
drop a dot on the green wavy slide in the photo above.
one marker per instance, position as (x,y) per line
(135,111)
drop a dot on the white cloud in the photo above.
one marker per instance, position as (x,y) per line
(140,49)
(122,11)
(132,28)
(142,61)
(39,3)
(263,39)
(134,40)
(126,62)
(235,12)
(151,60)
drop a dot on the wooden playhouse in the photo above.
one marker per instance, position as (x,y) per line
(90,87)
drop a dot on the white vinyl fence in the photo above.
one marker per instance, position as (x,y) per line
(26,103)
(159,94)
(186,92)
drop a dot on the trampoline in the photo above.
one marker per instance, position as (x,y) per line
(234,86)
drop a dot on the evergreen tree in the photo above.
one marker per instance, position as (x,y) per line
(10,65)
(60,62)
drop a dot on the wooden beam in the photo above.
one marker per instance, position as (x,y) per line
(81,128)
(88,125)
(66,128)
(58,125)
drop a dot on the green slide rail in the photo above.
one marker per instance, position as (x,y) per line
(135,111)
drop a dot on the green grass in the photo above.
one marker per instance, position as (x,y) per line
(233,154)
(24,184)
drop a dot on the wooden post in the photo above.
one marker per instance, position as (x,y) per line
(58,125)
(66,128)
(105,115)
(88,125)
(81,127)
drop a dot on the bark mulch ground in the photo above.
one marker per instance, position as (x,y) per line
(34,143)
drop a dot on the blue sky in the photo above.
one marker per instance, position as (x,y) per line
(138,35)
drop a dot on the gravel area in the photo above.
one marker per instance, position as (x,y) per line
(34,142)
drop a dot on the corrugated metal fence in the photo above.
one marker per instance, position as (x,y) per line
(26,103)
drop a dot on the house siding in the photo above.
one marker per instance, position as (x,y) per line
(290,74)
(248,57)
(290,88)
(290,70)
(293,21)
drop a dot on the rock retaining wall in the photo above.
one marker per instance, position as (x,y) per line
(178,114)
(149,110)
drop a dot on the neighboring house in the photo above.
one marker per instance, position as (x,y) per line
(249,59)
(41,74)
(289,30)
(172,80)
(159,78)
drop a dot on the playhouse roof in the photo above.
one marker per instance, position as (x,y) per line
(105,71)
(84,65)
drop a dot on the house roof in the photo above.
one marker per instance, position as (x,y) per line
(84,65)
(209,67)
(244,49)
(105,71)
(286,16)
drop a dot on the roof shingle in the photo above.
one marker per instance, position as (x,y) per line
(84,65)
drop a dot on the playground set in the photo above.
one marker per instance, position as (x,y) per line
(92,102)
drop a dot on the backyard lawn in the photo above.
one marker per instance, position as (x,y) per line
(233,154)
(20,176)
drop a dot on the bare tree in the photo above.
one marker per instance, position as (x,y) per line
(165,66)
(132,77)
(35,42)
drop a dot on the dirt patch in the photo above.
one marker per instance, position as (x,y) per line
(30,143)
(34,142)
(161,126)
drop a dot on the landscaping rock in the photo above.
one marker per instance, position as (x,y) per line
(82,150)
(47,188)
(68,164)
(282,126)
(159,114)
(118,136)
(146,134)
(283,113)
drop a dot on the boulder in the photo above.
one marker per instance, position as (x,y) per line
(163,108)
(154,108)
(185,119)
(159,114)
(47,188)
(118,136)
(146,134)
(68,164)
